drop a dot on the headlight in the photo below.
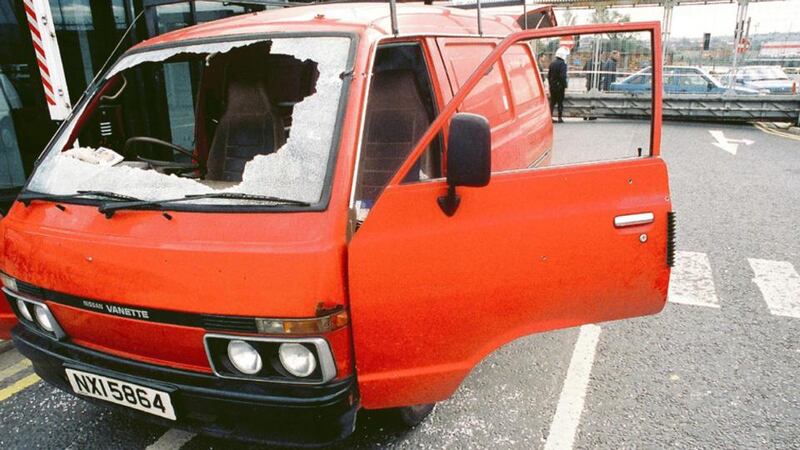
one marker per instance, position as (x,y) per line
(244,357)
(297,359)
(8,282)
(23,309)
(43,318)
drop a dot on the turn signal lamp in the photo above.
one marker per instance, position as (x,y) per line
(315,325)
(8,282)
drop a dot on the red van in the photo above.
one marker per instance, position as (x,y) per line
(358,211)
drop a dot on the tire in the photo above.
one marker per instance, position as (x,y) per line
(411,416)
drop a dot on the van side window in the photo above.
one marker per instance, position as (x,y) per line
(522,79)
(400,108)
(490,98)
(510,96)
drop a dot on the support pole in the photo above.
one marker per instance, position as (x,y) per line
(480,27)
(393,13)
(525,14)
(666,23)
(738,33)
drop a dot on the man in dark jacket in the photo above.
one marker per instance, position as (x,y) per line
(557,79)
(609,71)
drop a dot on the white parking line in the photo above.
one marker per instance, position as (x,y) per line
(691,282)
(172,439)
(779,284)
(573,393)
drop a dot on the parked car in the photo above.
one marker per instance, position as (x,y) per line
(324,246)
(678,80)
(764,79)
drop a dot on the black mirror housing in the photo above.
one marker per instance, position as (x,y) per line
(469,151)
(469,157)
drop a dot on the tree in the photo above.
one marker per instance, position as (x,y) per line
(603,14)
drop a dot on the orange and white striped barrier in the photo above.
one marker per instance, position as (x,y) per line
(48,57)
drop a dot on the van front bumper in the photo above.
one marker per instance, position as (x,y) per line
(307,416)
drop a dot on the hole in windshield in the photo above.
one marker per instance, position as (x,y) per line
(254,117)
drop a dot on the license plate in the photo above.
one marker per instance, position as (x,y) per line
(145,399)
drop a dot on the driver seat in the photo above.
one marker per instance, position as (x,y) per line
(250,124)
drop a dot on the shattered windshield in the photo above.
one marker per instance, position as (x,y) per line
(253,117)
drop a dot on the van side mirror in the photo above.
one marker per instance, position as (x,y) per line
(710,85)
(469,157)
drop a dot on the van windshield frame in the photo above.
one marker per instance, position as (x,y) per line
(79,112)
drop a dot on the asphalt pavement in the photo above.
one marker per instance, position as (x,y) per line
(717,368)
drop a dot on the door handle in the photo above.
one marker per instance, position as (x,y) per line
(630,220)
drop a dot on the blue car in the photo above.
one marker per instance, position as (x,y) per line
(764,79)
(678,80)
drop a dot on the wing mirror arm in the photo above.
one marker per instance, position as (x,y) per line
(469,157)
(449,202)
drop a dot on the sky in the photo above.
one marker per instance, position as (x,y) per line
(719,20)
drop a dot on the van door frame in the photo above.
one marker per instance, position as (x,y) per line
(412,350)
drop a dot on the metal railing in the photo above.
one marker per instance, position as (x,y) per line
(724,107)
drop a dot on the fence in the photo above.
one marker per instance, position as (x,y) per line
(723,107)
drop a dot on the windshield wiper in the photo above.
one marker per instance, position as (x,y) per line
(27,197)
(109,208)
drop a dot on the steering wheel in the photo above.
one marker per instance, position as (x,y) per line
(166,165)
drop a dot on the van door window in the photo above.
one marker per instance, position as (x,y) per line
(509,96)
(522,78)
(614,122)
(490,98)
(400,107)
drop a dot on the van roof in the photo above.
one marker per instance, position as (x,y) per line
(371,20)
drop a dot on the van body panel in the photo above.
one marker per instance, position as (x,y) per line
(7,318)
(432,295)
(534,250)
(156,343)
(374,18)
(232,264)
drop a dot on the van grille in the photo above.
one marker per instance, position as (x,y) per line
(230,323)
(30,290)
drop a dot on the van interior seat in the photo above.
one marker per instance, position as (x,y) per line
(250,124)
(396,119)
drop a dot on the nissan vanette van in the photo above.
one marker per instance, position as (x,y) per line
(354,213)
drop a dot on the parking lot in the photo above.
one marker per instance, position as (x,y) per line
(717,368)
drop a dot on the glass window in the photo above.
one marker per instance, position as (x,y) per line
(695,79)
(76,36)
(585,129)
(11,171)
(518,63)
(267,126)
(120,16)
(490,98)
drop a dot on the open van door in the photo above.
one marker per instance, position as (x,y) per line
(538,249)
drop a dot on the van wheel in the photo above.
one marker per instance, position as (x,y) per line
(411,416)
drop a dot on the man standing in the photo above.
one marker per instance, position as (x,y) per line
(609,70)
(557,79)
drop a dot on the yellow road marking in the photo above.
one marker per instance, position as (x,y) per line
(778,133)
(24,383)
(14,369)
